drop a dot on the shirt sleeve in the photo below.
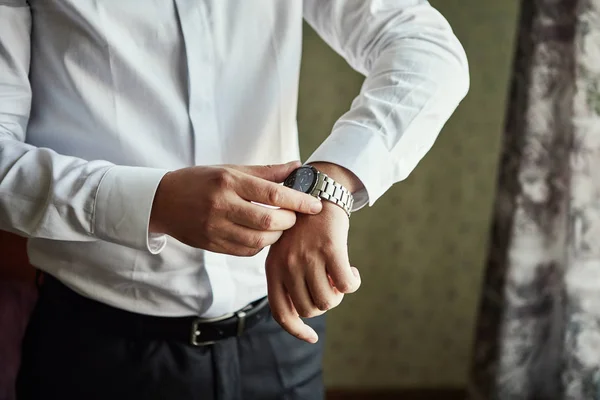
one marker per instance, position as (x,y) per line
(416,75)
(47,195)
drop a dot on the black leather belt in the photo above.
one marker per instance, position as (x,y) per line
(192,330)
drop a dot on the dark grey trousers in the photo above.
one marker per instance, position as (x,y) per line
(63,360)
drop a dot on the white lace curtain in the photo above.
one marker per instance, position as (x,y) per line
(538,333)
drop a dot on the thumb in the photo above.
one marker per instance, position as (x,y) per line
(274,173)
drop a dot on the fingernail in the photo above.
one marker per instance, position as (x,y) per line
(316,207)
(356,273)
(312,336)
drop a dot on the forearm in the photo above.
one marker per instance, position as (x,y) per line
(416,75)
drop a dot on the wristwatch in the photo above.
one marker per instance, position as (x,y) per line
(308,179)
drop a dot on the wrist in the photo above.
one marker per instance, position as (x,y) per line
(331,210)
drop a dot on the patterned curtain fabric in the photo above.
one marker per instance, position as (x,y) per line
(538,333)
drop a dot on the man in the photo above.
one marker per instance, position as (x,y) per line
(142,147)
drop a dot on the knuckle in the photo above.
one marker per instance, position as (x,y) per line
(280,318)
(306,312)
(249,251)
(328,247)
(252,252)
(229,211)
(259,241)
(216,200)
(224,178)
(324,305)
(345,286)
(266,221)
(307,259)
(216,204)
(289,257)
(327,302)
(303,204)
(289,266)
(303,313)
(274,195)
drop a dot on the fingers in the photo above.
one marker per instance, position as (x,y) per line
(313,294)
(274,173)
(285,314)
(260,218)
(233,245)
(250,238)
(297,289)
(344,277)
(269,193)
(322,291)
(258,184)
(226,247)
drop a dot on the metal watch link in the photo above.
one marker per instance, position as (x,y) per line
(310,180)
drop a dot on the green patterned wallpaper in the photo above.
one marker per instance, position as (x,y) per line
(421,248)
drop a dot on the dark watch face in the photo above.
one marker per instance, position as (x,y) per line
(303,179)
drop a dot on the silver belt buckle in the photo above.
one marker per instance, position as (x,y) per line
(241,324)
(196,332)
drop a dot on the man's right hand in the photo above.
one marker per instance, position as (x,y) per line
(210,207)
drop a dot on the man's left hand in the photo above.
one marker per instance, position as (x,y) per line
(308,270)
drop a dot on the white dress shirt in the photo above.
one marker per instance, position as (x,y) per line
(100,98)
